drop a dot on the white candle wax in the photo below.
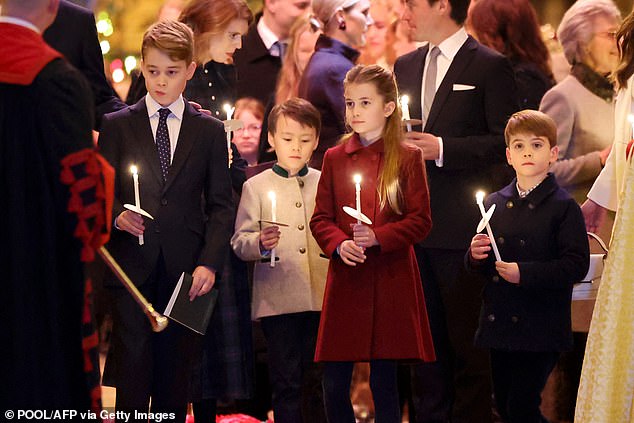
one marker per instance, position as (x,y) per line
(137,196)
(479,200)
(273,219)
(630,119)
(357,190)
(405,111)
(229,110)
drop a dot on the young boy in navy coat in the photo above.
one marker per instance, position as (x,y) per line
(184,183)
(541,236)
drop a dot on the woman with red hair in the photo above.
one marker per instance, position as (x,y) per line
(511,27)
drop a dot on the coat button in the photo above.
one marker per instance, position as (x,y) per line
(495,278)
(164,201)
(491,317)
(213,98)
(515,319)
(301,183)
(509,204)
(302,250)
(300,227)
(522,243)
(298,204)
(210,84)
(501,240)
(531,206)
(206,70)
(217,112)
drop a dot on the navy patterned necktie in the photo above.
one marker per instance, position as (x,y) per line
(163,142)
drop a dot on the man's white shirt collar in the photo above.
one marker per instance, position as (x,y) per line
(267,36)
(20,22)
(450,46)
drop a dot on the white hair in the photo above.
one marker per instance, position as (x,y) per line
(577,26)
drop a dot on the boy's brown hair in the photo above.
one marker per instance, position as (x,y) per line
(172,38)
(297,109)
(531,122)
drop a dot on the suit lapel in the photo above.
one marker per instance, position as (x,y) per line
(458,65)
(186,139)
(416,82)
(144,139)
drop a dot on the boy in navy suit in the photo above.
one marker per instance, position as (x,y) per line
(184,181)
(541,235)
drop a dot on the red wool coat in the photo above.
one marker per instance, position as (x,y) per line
(375,310)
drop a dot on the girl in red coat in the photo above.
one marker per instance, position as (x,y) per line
(374,308)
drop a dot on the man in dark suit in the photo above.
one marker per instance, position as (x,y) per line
(259,60)
(464,93)
(49,206)
(74,34)
(181,155)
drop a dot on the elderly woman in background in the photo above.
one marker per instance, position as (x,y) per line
(511,28)
(345,23)
(582,105)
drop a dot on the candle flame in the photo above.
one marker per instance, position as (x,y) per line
(133,169)
(479,196)
(227,108)
(404,100)
(272,195)
(357,178)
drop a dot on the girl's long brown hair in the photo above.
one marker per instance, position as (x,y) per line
(389,186)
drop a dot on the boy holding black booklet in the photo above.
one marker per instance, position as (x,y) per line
(182,158)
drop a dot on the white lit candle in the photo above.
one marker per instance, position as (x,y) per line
(229,110)
(357,190)
(405,111)
(479,200)
(137,196)
(273,219)
(630,119)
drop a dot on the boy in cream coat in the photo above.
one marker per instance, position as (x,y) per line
(287,297)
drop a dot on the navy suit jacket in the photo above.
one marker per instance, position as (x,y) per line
(470,110)
(193,211)
(257,70)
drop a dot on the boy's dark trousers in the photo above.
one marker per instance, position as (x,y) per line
(160,367)
(518,380)
(295,377)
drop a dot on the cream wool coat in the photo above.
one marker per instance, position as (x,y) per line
(297,281)
(609,185)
